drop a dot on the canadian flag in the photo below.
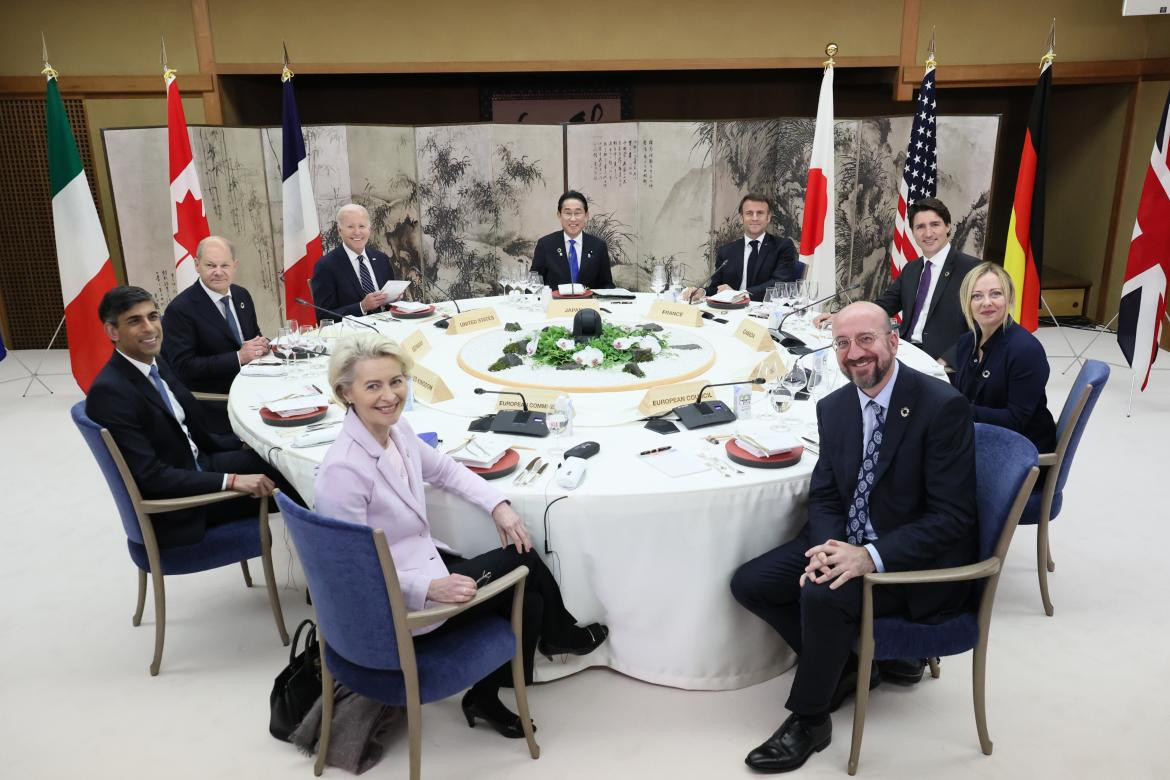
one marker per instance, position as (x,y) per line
(188,219)
(818,238)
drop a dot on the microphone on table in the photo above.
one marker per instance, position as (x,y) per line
(445,322)
(700,413)
(336,314)
(523,423)
(795,344)
(708,280)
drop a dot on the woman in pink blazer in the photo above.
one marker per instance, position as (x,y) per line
(374,474)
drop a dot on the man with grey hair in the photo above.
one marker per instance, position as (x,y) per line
(349,279)
(211,326)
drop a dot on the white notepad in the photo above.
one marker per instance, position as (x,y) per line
(675,463)
(394,288)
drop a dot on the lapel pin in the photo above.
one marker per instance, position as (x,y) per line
(986,373)
(946,273)
(905,411)
(589,254)
(560,251)
(241,305)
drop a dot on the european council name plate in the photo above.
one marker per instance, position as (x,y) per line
(476,319)
(538,401)
(659,400)
(429,387)
(676,314)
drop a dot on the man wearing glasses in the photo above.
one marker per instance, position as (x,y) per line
(570,255)
(872,507)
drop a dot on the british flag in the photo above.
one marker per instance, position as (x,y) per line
(919,173)
(1143,296)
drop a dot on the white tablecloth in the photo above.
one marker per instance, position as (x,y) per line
(648,555)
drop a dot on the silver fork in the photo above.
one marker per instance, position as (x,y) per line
(519,478)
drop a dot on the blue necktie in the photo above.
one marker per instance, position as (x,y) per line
(573,268)
(226,303)
(859,509)
(920,299)
(364,273)
(162,390)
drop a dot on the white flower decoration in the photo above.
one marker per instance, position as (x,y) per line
(590,356)
(531,348)
(566,344)
(624,343)
(650,343)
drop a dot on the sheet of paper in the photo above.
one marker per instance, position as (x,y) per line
(729,296)
(570,289)
(410,306)
(675,463)
(394,288)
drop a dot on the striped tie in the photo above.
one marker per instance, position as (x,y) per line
(364,273)
(859,509)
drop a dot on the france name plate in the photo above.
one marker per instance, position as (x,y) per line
(676,314)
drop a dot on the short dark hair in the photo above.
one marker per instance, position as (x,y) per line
(928,204)
(120,300)
(572,195)
(757,197)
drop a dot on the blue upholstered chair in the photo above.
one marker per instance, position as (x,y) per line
(801,269)
(1044,505)
(222,545)
(364,628)
(1005,471)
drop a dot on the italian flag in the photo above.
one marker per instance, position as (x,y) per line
(82,256)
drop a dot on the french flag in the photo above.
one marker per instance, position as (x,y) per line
(302,233)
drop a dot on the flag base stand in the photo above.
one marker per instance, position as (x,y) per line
(1076,356)
(35,374)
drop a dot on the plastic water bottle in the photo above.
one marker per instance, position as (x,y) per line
(563,409)
(742,396)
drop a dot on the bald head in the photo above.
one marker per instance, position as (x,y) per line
(353,225)
(215,262)
(865,345)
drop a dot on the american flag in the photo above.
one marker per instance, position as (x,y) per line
(919,174)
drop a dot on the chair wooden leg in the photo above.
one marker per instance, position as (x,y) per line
(518,672)
(979,691)
(326,712)
(1043,556)
(160,619)
(414,729)
(269,574)
(137,619)
(934,670)
(860,702)
(1051,563)
(247,574)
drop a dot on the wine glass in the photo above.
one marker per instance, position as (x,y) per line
(535,286)
(503,277)
(658,279)
(780,399)
(282,341)
(771,295)
(675,281)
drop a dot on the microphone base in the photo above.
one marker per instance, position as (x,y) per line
(520,424)
(791,343)
(443,323)
(701,415)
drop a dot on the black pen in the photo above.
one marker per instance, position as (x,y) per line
(656,449)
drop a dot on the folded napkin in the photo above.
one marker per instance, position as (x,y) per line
(481,452)
(317,437)
(766,443)
(571,289)
(410,306)
(287,407)
(263,369)
(729,296)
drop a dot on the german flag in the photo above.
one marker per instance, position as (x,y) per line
(1024,253)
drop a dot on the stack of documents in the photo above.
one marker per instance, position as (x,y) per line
(301,404)
(766,443)
(729,296)
(410,306)
(480,452)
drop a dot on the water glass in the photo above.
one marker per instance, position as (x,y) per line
(658,279)
(282,343)
(780,400)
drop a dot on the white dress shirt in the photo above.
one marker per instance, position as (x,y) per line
(353,261)
(747,252)
(869,422)
(936,264)
(215,299)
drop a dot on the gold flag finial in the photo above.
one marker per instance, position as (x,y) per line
(168,71)
(285,73)
(47,71)
(1048,58)
(931,62)
(831,51)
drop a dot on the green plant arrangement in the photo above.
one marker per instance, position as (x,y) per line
(617,346)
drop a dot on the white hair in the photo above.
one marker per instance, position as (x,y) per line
(352,207)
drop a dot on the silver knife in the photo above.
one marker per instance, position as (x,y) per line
(809,444)
(539,473)
(519,478)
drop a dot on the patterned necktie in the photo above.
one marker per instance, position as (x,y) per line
(753,256)
(573,267)
(226,303)
(859,509)
(364,273)
(920,298)
(162,390)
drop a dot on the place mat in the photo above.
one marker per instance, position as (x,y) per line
(557,296)
(780,460)
(714,304)
(501,468)
(399,314)
(272,418)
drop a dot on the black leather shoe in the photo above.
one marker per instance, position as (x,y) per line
(790,746)
(848,684)
(902,671)
(584,641)
(494,713)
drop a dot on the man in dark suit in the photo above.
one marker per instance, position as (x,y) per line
(349,279)
(211,326)
(160,428)
(571,256)
(892,490)
(752,263)
(927,291)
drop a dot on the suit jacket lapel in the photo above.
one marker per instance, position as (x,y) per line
(146,387)
(902,402)
(213,313)
(354,427)
(851,429)
(911,277)
(944,279)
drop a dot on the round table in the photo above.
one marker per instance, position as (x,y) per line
(647,554)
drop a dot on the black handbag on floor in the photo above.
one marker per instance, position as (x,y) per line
(297,686)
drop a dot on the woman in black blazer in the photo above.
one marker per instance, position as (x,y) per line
(999,366)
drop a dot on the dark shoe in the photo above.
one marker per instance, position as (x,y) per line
(902,671)
(494,713)
(848,684)
(791,745)
(580,641)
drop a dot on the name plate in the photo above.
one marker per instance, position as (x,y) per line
(538,401)
(416,345)
(477,319)
(429,387)
(662,399)
(755,336)
(770,369)
(676,314)
(569,307)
